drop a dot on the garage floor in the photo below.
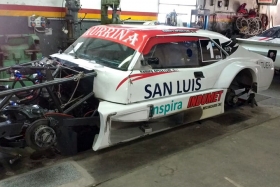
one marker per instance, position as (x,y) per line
(237,149)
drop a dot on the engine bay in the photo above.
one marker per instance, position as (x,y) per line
(48,103)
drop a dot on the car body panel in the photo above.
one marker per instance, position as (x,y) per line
(266,44)
(111,133)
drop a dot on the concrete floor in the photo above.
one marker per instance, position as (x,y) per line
(236,149)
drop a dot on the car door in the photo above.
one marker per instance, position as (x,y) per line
(185,65)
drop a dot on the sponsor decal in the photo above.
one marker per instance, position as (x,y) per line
(180,30)
(265,65)
(203,99)
(212,106)
(139,76)
(123,36)
(159,70)
(165,109)
(167,88)
(130,37)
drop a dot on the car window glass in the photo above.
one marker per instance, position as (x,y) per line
(175,55)
(104,52)
(277,35)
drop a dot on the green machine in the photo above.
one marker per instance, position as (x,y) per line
(105,5)
(18,49)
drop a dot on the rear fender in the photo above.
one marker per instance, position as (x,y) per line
(230,72)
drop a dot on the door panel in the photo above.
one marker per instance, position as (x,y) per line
(179,70)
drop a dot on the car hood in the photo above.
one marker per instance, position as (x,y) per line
(69,60)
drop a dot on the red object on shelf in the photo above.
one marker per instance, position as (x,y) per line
(242,9)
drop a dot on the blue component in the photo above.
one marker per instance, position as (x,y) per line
(18,75)
(206,22)
(189,53)
(188,44)
(13,103)
(39,73)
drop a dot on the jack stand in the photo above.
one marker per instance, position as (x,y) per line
(146,128)
(251,100)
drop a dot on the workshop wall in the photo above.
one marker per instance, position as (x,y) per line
(223,16)
(232,6)
(135,9)
(271,11)
(14,17)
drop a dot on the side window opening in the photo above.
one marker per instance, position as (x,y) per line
(189,53)
(175,55)
(210,53)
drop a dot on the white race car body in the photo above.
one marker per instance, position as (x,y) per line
(190,76)
(266,44)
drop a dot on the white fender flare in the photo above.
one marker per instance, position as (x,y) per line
(230,72)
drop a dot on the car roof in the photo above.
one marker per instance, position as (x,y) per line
(155,30)
(151,30)
(136,36)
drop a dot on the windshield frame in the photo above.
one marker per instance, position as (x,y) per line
(119,57)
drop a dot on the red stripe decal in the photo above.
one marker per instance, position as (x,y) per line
(266,38)
(140,76)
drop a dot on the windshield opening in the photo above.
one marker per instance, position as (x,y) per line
(104,52)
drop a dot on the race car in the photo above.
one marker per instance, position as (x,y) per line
(266,43)
(117,83)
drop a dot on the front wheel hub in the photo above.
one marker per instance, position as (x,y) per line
(40,135)
(231,98)
(235,99)
(44,136)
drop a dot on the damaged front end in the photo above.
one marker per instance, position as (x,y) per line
(46,104)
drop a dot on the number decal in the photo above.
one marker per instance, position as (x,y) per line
(210,47)
(209,51)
